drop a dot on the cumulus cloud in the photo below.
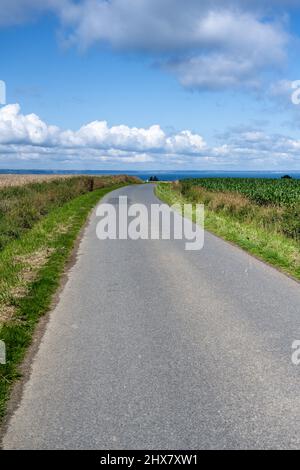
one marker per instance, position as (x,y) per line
(16,128)
(208,44)
(27,138)
(20,133)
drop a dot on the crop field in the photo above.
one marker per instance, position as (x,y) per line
(262,191)
(269,203)
(20,180)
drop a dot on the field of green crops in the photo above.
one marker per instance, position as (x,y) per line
(280,192)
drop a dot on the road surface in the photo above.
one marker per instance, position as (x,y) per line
(154,347)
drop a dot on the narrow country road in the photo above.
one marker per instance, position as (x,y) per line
(154,347)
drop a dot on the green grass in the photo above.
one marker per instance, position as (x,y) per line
(274,205)
(222,217)
(30,272)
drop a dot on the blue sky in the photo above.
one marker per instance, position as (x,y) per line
(142,84)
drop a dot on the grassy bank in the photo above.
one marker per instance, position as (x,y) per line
(21,207)
(269,231)
(33,259)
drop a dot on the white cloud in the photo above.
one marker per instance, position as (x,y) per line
(16,128)
(206,44)
(23,134)
(216,72)
(215,46)
(26,138)
(256,149)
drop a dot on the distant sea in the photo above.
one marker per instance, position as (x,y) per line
(163,175)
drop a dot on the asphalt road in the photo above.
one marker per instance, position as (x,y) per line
(155,347)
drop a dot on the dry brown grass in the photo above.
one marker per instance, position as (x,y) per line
(6,313)
(273,218)
(99,180)
(30,266)
(232,201)
(21,180)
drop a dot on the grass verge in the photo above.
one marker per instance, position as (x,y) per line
(30,271)
(266,244)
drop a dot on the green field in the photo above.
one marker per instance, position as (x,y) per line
(272,204)
(279,192)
